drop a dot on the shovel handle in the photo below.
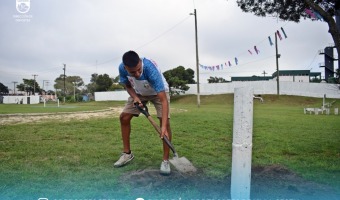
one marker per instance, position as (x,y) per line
(145,111)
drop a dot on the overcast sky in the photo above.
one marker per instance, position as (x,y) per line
(90,37)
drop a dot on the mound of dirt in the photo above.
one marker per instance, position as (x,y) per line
(6,119)
(270,182)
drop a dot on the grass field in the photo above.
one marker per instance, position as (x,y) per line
(73,160)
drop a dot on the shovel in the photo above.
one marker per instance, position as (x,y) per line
(182,164)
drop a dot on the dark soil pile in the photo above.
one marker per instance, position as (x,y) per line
(271,182)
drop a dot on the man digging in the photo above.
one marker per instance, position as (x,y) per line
(144,82)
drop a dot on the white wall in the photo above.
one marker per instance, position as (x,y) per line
(260,87)
(270,87)
(19,99)
(294,78)
(109,96)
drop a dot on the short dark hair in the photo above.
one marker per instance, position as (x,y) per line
(130,59)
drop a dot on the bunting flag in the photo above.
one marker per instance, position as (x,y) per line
(278,34)
(283,31)
(270,41)
(318,16)
(256,50)
(310,13)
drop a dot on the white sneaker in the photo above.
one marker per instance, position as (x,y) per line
(165,167)
(124,159)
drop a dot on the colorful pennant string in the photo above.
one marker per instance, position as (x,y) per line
(279,35)
(256,49)
(270,41)
(283,31)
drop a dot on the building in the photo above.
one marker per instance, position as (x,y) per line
(284,75)
(252,78)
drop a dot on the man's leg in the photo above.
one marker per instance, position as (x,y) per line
(125,125)
(166,149)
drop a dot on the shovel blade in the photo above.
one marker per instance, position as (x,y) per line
(182,164)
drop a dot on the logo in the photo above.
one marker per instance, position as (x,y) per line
(23,6)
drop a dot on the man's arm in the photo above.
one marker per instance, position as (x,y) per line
(132,93)
(165,113)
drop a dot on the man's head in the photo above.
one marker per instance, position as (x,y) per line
(132,64)
(130,59)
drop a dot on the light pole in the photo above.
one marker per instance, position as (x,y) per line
(64,82)
(14,86)
(197,61)
(277,66)
(74,91)
(47,81)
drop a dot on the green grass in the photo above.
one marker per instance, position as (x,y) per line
(74,159)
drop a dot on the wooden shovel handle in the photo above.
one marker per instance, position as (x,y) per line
(157,128)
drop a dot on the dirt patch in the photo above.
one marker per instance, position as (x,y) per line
(23,118)
(6,119)
(271,182)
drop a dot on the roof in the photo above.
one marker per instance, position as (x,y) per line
(251,78)
(315,74)
(292,73)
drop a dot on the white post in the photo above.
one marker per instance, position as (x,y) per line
(324,101)
(44,102)
(242,143)
(58,103)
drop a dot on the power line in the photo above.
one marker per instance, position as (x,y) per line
(145,44)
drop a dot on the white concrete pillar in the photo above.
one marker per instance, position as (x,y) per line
(327,111)
(242,143)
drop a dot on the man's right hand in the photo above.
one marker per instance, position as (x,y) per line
(138,101)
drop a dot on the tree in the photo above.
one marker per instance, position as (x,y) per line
(70,83)
(216,80)
(3,89)
(30,86)
(103,82)
(178,78)
(91,87)
(100,83)
(337,73)
(116,85)
(295,10)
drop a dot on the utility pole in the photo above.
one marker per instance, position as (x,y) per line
(277,66)
(34,84)
(197,61)
(14,86)
(264,73)
(64,81)
(74,91)
(44,83)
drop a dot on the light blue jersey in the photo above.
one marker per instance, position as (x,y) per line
(149,83)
